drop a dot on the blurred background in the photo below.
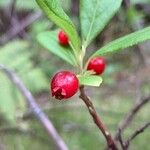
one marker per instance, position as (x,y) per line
(126,79)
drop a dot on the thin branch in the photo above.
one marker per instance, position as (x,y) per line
(110,142)
(136,133)
(126,3)
(121,140)
(12,8)
(12,32)
(130,115)
(39,114)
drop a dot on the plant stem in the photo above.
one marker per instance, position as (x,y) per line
(110,142)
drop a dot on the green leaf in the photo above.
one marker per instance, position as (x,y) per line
(50,42)
(94,15)
(90,80)
(54,12)
(124,42)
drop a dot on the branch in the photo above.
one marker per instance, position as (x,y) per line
(12,8)
(136,133)
(126,3)
(129,117)
(121,140)
(110,142)
(125,145)
(12,32)
(39,114)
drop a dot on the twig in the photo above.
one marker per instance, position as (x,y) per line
(13,6)
(136,133)
(39,114)
(126,3)
(129,117)
(12,32)
(13,18)
(110,142)
(121,140)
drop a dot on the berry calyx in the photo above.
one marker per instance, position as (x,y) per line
(63,38)
(64,85)
(97,64)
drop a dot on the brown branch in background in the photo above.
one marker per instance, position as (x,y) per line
(129,117)
(14,19)
(125,145)
(110,142)
(12,9)
(12,32)
(39,114)
(136,133)
(121,140)
(126,3)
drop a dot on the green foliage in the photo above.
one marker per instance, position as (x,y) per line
(17,56)
(20,5)
(9,104)
(40,26)
(90,80)
(49,41)
(21,139)
(140,2)
(94,16)
(134,17)
(55,13)
(124,42)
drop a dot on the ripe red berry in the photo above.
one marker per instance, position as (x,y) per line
(97,64)
(63,38)
(64,85)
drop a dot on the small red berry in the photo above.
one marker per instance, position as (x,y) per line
(63,38)
(97,64)
(64,85)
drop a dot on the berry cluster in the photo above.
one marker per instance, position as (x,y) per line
(64,83)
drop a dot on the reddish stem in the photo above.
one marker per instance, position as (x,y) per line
(110,142)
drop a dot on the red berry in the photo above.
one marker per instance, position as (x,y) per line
(64,85)
(97,64)
(63,38)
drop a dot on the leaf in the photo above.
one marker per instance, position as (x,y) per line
(94,15)
(90,80)
(124,42)
(54,12)
(50,42)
